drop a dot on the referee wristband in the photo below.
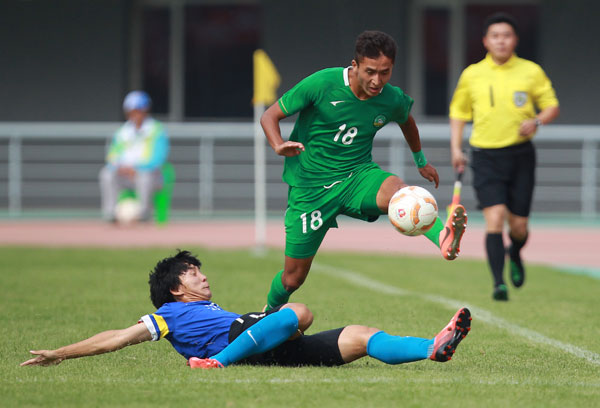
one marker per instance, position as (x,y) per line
(419,159)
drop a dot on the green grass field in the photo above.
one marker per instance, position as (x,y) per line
(541,349)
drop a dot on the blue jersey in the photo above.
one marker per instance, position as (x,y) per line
(195,329)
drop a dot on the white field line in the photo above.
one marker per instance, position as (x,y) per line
(480,314)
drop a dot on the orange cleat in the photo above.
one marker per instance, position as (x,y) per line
(453,232)
(205,363)
(445,343)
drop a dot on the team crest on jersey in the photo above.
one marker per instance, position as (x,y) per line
(520,98)
(379,121)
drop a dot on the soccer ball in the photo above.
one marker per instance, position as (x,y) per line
(412,210)
(127,211)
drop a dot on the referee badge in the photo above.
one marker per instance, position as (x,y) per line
(379,121)
(520,98)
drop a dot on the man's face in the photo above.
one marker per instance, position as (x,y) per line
(372,74)
(136,116)
(194,285)
(500,41)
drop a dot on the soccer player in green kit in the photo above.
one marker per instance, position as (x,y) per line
(328,162)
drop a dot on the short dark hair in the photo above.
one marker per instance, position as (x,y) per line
(165,276)
(372,44)
(500,18)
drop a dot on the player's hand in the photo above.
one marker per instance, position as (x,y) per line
(527,128)
(44,358)
(430,173)
(459,161)
(289,149)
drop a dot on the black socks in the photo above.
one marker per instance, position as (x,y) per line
(495,253)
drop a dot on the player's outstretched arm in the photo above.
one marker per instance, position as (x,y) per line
(270,124)
(411,135)
(100,343)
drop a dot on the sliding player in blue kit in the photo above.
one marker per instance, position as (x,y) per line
(211,337)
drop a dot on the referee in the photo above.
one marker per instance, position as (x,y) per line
(501,95)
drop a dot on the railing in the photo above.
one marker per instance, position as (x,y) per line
(567,165)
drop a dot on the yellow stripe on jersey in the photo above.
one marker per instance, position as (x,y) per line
(162,325)
(283,108)
(497,98)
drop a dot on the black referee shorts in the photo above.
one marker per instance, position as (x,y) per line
(319,349)
(505,176)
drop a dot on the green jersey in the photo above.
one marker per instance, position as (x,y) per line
(335,127)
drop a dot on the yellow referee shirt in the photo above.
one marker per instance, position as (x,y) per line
(497,98)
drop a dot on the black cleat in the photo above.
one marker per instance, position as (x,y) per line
(516,269)
(500,292)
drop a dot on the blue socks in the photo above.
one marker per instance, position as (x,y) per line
(268,333)
(396,350)
(276,328)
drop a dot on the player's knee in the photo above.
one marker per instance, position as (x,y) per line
(387,189)
(305,316)
(364,333)
(494,217)
(353,341)
(359,335)
(518,231)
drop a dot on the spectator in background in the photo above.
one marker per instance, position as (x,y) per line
(507,98)
(135,157)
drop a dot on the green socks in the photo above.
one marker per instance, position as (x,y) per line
(434,232)
(277,295)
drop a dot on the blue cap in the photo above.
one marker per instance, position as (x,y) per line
(136,100)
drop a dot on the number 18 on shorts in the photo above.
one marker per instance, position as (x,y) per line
(307,220)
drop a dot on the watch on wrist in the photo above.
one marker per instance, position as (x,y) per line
(538,122)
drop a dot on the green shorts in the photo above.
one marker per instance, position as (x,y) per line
(313,210)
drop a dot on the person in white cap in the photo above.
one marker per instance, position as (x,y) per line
(136,154)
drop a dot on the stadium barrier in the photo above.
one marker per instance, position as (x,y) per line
(55,165)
